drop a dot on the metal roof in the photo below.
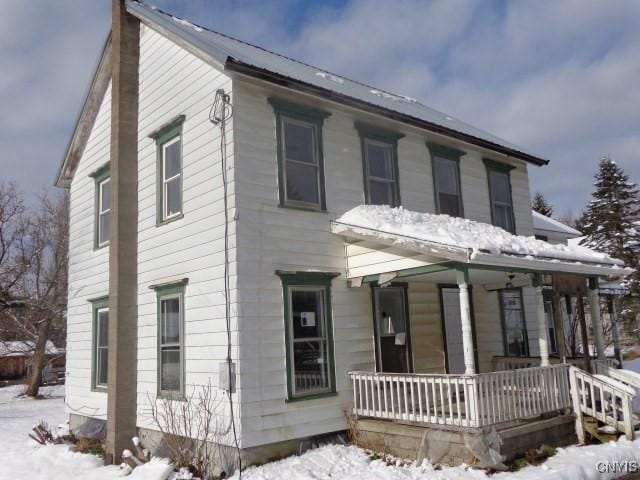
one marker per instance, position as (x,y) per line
(234,54)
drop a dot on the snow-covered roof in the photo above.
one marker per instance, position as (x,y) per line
(21,348)
(229,52)
(482,242)
(548,224)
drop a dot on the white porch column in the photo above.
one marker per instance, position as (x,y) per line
(462,276)
(596,322)
(543,329)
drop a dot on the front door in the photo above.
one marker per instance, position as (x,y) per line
(453,329)
(392,334)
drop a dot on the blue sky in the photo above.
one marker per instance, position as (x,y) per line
(559,77)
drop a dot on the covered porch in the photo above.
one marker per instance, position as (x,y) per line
(491,285)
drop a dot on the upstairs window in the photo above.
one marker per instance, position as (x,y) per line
(170,177)
(299,153)
(100,364)
(500,195)
(445,163)
(102,220)
(380,162)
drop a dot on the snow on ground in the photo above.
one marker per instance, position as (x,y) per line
(22,458)
(336,462)
(461,232)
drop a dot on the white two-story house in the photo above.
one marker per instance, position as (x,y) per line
(289,236)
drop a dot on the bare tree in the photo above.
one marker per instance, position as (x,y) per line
(33,271)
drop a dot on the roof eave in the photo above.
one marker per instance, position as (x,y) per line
(235,65)
(87,115)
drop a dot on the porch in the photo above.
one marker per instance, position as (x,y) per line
(497,373)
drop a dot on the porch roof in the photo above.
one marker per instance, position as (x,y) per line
(382,239)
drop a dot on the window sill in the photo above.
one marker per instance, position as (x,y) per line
(100,247)
(313,396)
(177,396)
(169,220)
(99,389)
(303,208)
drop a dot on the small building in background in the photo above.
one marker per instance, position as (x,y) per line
(15,358)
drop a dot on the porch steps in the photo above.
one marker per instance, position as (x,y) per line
(592,429)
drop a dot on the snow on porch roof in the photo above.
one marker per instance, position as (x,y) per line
(480,243)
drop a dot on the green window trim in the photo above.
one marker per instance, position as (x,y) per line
(284,109)
(381,135)
(99,176)
(166,134)
(321,280)
(503,168)
(97,304)
(448,153)
(167,291)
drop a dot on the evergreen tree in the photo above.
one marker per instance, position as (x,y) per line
(541,205)
(610,222)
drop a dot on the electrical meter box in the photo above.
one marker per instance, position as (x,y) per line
(227,376)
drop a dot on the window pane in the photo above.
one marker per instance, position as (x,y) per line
(170,320)
(379,160)
(307,314)
(548,313)
(310,366)
(299,142)
(499,183)
(105,195)
(392,312)
(515,330)
(102,364)
(103,328)
(449,205)
(172,160)
(446,172)
(104,220)
(174,197)
(502,217)
(170,369)
(302,182)
(381,193)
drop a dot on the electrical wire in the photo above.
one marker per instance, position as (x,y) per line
(220,113)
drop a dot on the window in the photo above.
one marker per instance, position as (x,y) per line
(500,195)
(100,362)
(299,152)
(445,162)
(169,151)
(514,327)
(171,339)
(102,206)
(380,162)
(308,334)
(172,178)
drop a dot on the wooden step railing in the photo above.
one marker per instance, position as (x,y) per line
(461,400)
(605,399)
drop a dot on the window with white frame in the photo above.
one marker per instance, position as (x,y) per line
(104,211)
(170,341)
(301,163)
(380,172)
(308,332)
(100,365)
(447,184)
(172,178)
(516,343)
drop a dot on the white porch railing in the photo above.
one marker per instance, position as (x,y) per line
(602,398)
(515,363)
(462,400)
